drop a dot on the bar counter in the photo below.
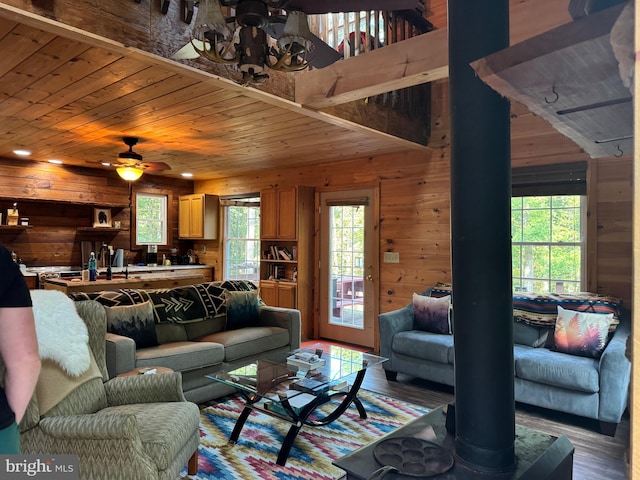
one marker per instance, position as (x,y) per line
(73,285)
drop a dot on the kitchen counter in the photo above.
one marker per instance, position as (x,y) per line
(159,268)
(135,281)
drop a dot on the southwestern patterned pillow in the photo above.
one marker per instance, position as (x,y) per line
(583,334)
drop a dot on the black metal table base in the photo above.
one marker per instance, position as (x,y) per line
(301,418)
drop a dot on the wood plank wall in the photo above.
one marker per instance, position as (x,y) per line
(60,199)
(415,207)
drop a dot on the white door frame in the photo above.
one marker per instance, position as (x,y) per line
(371,267)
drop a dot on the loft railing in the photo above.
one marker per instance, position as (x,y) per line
(355,33)
(367,30)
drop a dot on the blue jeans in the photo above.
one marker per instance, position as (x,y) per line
(10,440)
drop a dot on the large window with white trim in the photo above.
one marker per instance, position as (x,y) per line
(151,219)
(548,243)
(241,238)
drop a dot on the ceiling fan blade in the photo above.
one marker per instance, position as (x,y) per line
(156,166)
(322,54)
(188,52)
(316,7)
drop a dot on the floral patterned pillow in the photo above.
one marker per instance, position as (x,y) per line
(580,333)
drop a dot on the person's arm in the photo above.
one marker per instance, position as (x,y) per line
(19,351)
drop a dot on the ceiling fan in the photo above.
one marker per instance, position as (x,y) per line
(130,165)
(270,34)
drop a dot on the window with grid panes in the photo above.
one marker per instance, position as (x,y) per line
(241,238)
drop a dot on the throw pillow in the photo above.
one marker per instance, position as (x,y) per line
(242,309)
(580,333)
(431,314)
(133,321)
(531,336)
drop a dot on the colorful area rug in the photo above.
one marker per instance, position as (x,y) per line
(254,456)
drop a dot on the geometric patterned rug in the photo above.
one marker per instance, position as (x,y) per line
(254,456)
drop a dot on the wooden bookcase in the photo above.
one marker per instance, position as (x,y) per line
(286,223)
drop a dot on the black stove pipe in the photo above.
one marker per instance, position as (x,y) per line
(481,242)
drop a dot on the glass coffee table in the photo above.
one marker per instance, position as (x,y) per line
(294,385)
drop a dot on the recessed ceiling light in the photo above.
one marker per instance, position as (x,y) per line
(106,164)
(187,174)
(23,153)
(53,160)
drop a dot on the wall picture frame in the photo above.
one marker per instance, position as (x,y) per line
(102,218)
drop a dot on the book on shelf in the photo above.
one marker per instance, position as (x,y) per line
(284,253)
(277,272)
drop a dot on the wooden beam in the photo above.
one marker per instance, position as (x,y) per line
(414,61)
(569,76)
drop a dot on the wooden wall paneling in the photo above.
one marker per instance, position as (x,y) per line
(591,228)
(614,227)
(60,200)
(414,213)
(409,183)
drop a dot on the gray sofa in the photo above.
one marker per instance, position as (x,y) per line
(193,334)
(595,388)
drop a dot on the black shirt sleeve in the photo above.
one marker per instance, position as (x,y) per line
(14,291)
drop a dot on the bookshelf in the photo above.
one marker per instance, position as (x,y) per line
(286,242)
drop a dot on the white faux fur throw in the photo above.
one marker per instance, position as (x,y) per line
(62,334)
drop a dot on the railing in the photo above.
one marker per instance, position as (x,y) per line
(367,30)
(375,29)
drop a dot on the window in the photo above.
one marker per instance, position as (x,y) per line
(242,238)
(548,243)
(151,219)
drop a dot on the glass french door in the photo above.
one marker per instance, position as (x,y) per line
(348,266)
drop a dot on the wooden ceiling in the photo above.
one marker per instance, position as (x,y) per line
(72,96)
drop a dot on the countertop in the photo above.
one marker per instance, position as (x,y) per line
(155,271)
(120,280)
(134,269)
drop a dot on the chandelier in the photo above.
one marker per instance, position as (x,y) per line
(244,40)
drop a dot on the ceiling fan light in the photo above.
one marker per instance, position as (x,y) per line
(296,31)
(129,173)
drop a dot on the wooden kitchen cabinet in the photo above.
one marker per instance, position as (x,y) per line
(281,294)
(287,223)
(198,216)
(278,214)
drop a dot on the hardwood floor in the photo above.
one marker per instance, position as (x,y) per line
(597,456)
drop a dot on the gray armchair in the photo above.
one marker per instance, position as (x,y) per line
(129,428)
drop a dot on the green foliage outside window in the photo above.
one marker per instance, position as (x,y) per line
(151,219)
(547,243)
(242,241)
(347,241)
